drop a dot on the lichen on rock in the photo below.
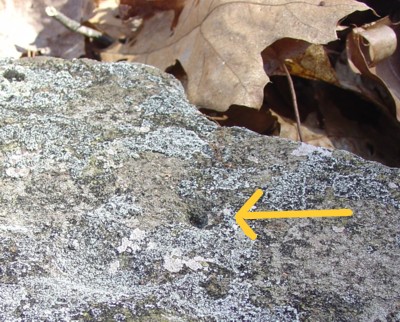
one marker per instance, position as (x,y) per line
(118,201)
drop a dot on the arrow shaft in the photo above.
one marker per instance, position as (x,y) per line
(297,214)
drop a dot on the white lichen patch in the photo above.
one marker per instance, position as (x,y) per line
(15,228)
(151,246)
(131,243)
(17,172)
(18,164)
(338,229)
(143,129)
(196,263)
(126,245)
(306,149)
(137,234)
(253,159)
(114,266)
(174,262)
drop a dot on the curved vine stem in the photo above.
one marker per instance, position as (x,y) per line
(294,100)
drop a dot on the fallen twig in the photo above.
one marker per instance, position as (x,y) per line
(78,28)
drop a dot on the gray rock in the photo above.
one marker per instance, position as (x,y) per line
(118,202)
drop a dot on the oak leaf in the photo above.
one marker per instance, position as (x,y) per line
(219,43)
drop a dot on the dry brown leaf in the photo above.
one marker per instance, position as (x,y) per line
(374,52)
(301,58)
(311,133)
(313,64)
(147,8)
(24,23)
(219,43)
(105,19)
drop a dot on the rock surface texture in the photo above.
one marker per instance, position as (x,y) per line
(118,202)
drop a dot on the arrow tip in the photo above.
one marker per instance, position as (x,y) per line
(244,211)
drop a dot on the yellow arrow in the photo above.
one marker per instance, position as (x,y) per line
(244,213)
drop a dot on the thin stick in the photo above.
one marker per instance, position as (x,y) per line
(77,27)
(294,100)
